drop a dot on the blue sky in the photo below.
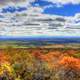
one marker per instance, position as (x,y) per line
(13,9)
(64,10)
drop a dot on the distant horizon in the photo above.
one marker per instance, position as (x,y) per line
(41,37)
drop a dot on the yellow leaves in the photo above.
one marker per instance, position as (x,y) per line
(1,71)
(6,67)
(18,78)
(5,64)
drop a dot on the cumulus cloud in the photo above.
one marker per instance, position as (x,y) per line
(15,2)
(39,24)
(64,1)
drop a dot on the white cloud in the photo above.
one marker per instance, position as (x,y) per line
(65,26)
(64,1)
(14,2)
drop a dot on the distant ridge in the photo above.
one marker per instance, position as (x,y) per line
(62,40)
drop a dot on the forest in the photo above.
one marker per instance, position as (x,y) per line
(39,63)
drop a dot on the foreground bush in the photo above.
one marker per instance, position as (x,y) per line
(21,64)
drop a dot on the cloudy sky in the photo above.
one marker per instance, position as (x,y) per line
(59,7)
(66,10)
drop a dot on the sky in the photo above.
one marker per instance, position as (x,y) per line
(65,13)
(67,9)
(52,7)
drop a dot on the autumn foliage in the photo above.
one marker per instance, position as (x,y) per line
(4,58)
(70,62)
(24,64)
